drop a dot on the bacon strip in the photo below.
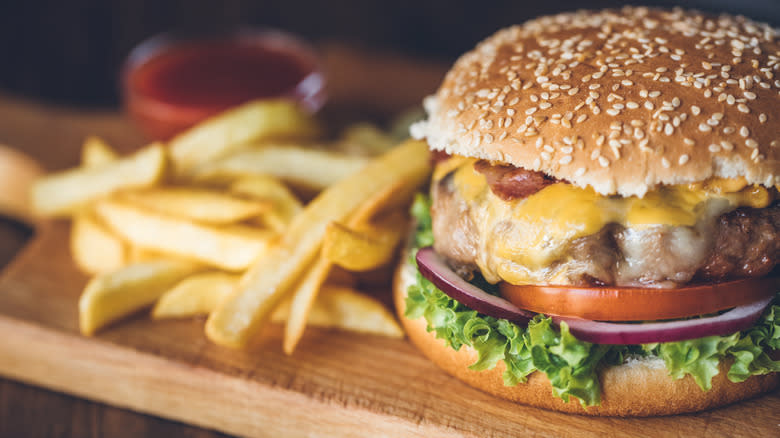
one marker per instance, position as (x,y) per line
(510,182)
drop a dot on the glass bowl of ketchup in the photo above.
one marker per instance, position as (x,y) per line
(171,83)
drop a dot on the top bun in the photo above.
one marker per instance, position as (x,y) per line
(619,100)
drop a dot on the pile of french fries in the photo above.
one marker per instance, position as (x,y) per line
(211,224)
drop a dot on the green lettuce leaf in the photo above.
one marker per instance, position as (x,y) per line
(572,365)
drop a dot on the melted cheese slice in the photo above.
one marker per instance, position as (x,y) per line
(528,235)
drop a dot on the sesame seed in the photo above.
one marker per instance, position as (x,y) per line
(649,105)
(668,129)
(683,159)
(714,148)
(729,130)
(727,145)
(531,110)
(743,108)
(750,95)
(579,172)
(752,144)
(603,161)
(654,93)
(762,118)
(689,141)
(545,105)
(613,112)
(744,131)
(703,127)
(546,156)
(565,160)
(717,116)
(665,162)
(581,118)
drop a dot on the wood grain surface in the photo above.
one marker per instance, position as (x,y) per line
(336,384)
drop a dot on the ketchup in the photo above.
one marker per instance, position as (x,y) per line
(170,86)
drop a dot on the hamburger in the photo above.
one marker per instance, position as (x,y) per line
(601,230)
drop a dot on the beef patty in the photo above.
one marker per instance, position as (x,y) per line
(741,243)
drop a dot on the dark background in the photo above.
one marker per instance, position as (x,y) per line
(69,51)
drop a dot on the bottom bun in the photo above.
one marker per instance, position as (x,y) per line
(640,387)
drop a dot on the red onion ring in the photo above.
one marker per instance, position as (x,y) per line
(433,267)
(596,332)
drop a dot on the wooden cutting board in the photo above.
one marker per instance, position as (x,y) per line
(336,384)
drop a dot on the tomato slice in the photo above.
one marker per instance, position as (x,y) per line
(638,304)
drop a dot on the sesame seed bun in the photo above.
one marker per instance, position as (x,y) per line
(619,100)
(640,387)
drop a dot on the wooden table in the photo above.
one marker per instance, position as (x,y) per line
(359,82)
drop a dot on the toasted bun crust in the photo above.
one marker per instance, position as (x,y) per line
(619,100)
(637,388)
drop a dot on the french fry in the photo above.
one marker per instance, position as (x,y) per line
(232,248)
(365,139)
(365,248)
(336,306)
(116,294)
(196,295)
(303,299)
(231,130)
(65,192)
(96,152)
(136,254)
(269,189)
(305,167)
(200,205)
(345,308)
(305,293)
(95,249)
(18,174)
(270,279)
